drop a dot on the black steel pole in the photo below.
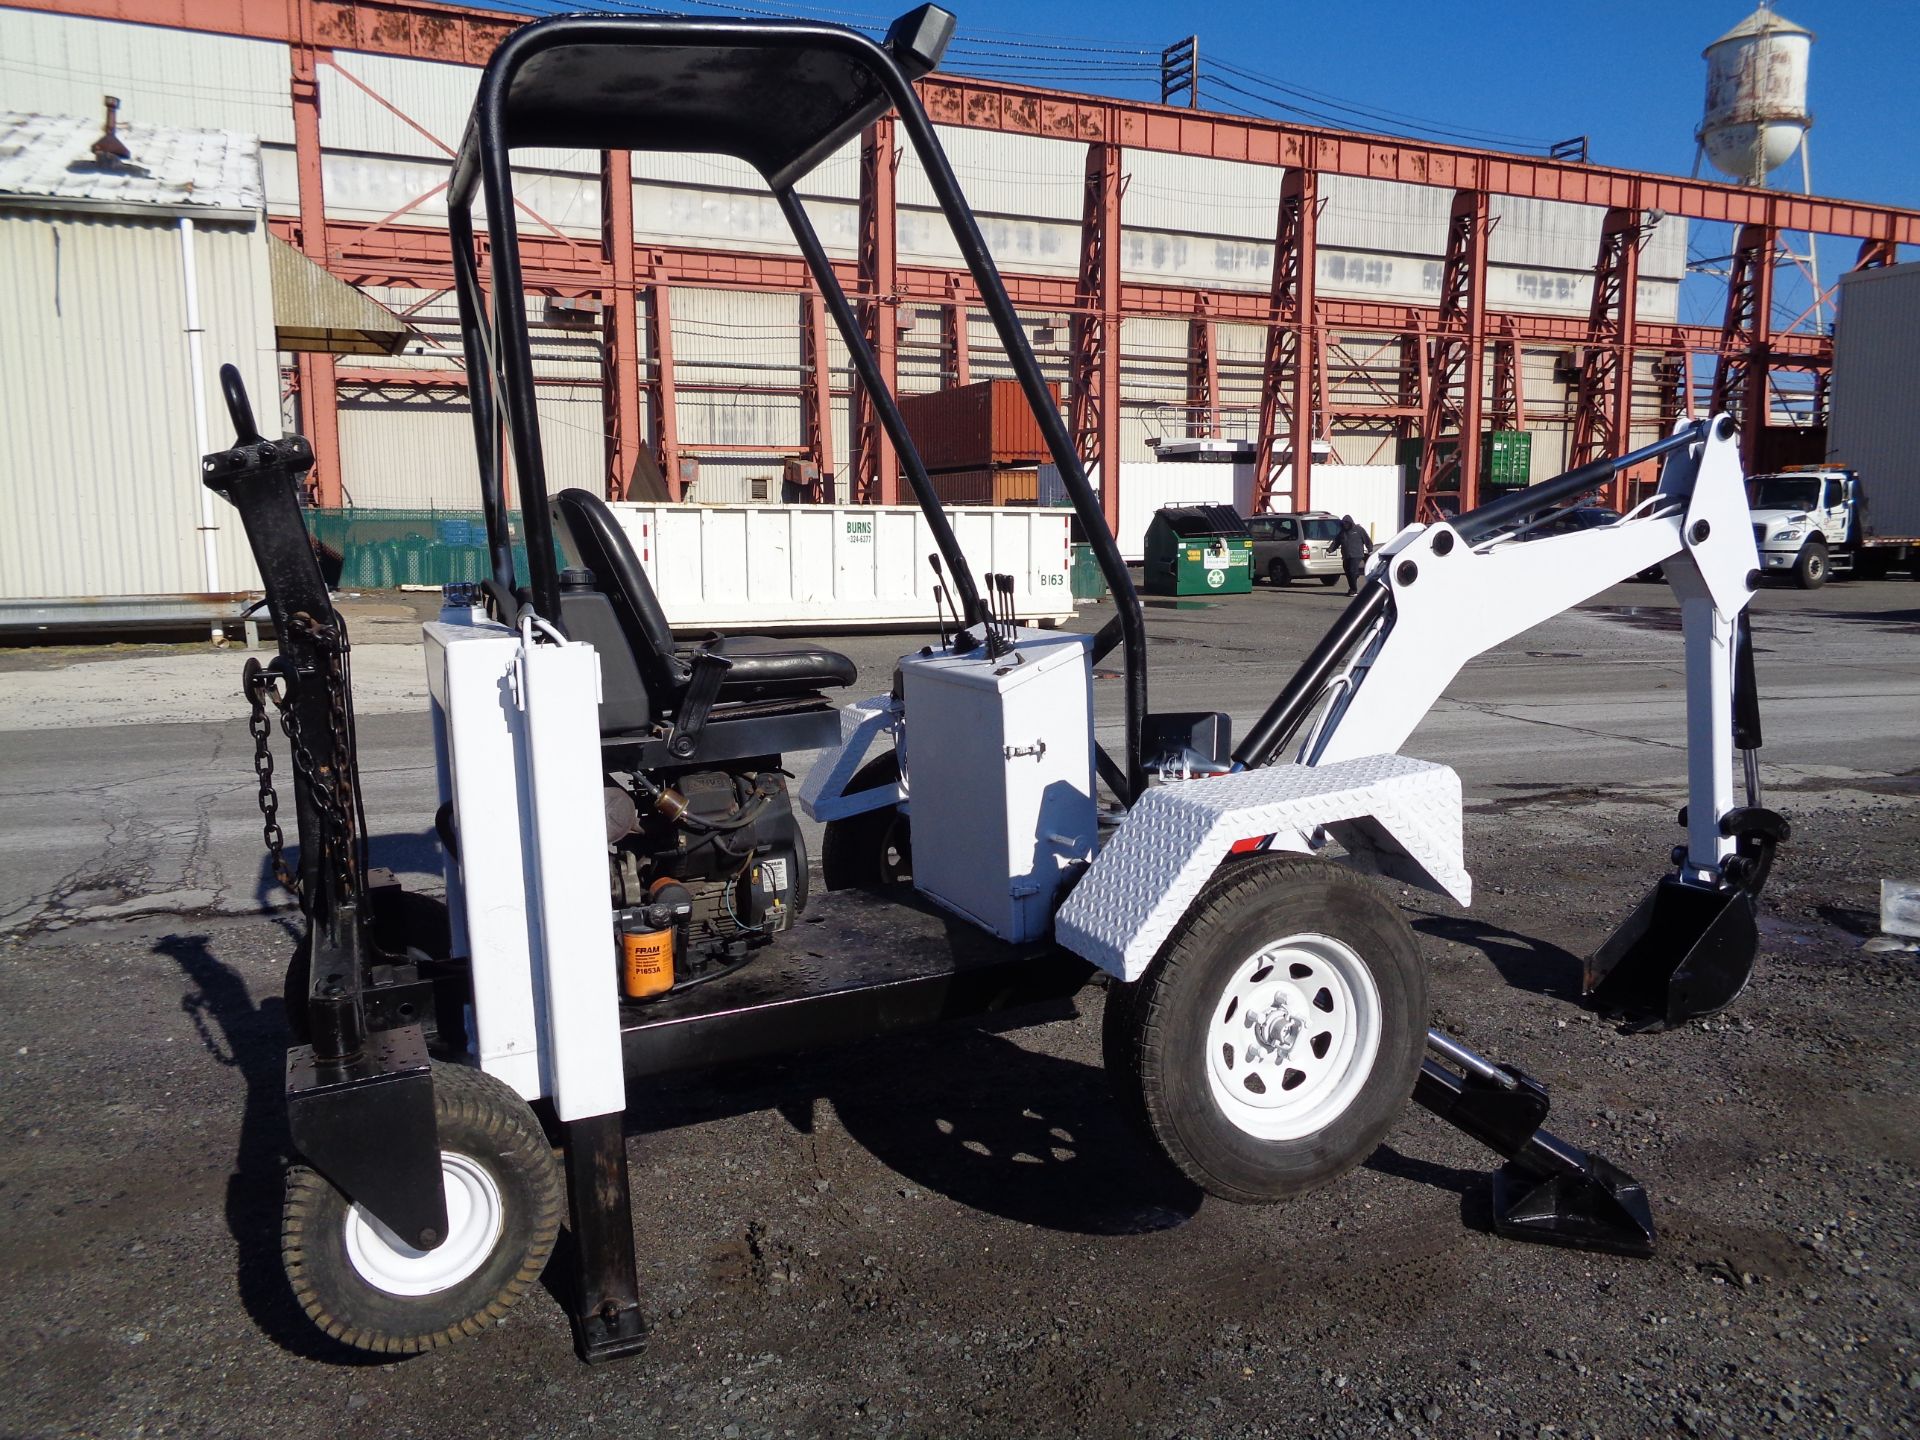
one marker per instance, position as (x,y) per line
(1086,505)
(514,363)
(476,337)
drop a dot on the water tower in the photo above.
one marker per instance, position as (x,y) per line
(1756,112)
(1756,115)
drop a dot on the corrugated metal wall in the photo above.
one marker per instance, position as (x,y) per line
(97,447)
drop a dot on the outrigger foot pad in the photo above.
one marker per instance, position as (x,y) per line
(1548,1191)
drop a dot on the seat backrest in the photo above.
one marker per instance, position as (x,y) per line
(592,537)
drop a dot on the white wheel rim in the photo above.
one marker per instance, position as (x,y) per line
(1294,1036)
(475,1218)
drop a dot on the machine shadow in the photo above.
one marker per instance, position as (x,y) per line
(1474,1187)
(1029,1137)
(1524,962)
(408,854)
(251,1038)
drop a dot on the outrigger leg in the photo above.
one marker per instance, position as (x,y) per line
(1548,1190)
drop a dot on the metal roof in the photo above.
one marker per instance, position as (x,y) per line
(47,161)
(314,311)
(1764,21)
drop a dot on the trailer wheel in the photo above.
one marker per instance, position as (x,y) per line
(1278,1033)
(365,1287)
(1810,570)
(872,850)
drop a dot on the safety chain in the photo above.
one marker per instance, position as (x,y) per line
(331,787)
(259,684)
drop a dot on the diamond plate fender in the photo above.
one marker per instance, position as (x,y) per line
(1394,816)
(824,796)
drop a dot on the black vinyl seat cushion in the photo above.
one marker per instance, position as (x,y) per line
(764,668)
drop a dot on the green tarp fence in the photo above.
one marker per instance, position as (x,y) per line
(382,549)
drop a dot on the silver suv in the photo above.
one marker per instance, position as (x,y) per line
(1296,547)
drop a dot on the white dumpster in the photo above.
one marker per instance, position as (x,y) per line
(760,567)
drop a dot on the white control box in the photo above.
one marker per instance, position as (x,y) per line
(999,757)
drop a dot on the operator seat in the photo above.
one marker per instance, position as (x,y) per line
(763,668)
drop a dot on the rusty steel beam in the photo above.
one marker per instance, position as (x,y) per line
(1292,374)
(453,34)
(1203,375)
(319,388)
(620,324)
(1740,383)
(1095,376)
(876,468)
(956,360)
(1449,478)
(1603,407)
(418,256)
(816,398)
(662,402)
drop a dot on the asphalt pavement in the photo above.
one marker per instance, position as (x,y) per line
(143,813)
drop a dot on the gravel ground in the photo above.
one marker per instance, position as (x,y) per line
(952,1233)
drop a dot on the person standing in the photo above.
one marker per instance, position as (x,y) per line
(1354,546)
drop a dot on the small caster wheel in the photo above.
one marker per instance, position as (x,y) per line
(363,1286)
(1278,1033)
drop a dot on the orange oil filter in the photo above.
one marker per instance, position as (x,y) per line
(646,962)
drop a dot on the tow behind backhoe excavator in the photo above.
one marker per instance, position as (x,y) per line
(623,865)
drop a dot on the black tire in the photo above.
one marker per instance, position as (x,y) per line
(1158,1045)
(1329,579)
(483,1126)
(1278,574)
(872,850)
(1810,569)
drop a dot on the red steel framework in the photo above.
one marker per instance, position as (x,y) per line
(1456,363)
(1441,352)
(1604,408)
(1094,386)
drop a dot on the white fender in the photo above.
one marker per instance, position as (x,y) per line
(1393,815)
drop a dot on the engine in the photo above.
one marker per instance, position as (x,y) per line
(706,866)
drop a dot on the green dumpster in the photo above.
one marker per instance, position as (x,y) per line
(1085,577)
(1199,550)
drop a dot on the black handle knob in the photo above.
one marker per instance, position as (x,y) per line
(239,408)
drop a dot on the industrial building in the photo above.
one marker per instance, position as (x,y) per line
(1183,273)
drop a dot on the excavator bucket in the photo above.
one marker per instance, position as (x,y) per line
(1685,952)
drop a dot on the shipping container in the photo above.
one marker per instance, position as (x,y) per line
(1875,425)
(1506,459)
(974,427)
(1006,486)
(762,567)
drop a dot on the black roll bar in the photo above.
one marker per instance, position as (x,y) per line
(498,356)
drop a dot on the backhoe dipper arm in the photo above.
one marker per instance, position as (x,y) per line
(1441,594)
